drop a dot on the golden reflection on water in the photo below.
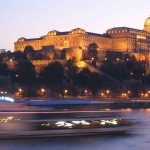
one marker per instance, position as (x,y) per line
(129,109)
(148,109)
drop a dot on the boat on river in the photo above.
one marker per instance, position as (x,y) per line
(30,123)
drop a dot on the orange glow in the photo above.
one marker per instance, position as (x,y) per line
(129,109)
(42,90)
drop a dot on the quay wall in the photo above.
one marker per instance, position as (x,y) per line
(93,104)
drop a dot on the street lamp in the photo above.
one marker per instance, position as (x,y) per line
(107,93)
(85,92)
(42,90)
(17,75)
(20,90)
(66,91)
(142,94)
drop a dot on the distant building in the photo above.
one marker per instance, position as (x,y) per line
(121,39)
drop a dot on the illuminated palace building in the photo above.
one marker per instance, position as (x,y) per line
(123,39)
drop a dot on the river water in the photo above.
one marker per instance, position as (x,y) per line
(137,139)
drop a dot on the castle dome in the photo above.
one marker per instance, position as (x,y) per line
(147,25)
(22,39)
(54,32)
(78,31)
(147,22)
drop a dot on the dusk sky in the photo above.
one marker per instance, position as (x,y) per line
(34,18)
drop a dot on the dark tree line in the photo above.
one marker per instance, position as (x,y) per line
(59,77)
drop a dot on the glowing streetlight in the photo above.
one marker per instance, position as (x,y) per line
(17,75)
(42,90)
(142,94)
(66,91)
(107,93)
(117,59)
(146,95)
(20,90)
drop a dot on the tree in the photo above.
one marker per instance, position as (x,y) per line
(48,77)
(135,89)
(18,55)
(35,56)
(120,71)
(147,79)
(57,69)
(94,83)
(130,66)
(140,71)
(25,72)
(126,57)
(71,68)
(92,51)
(107,66)
(4,83)
(133,58)
(29,49)
(4,69)
(31,92)
(4,55)
(81,78)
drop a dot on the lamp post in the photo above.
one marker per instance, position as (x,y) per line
(20,92)
(42,90)
(142,95)
(65,92)
(129,93)
(107,93)
(117,59)
(85,92)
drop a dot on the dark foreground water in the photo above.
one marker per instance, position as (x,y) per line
(138,139)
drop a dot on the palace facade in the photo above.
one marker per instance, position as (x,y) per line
(121,39)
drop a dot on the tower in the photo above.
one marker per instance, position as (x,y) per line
(147,25)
